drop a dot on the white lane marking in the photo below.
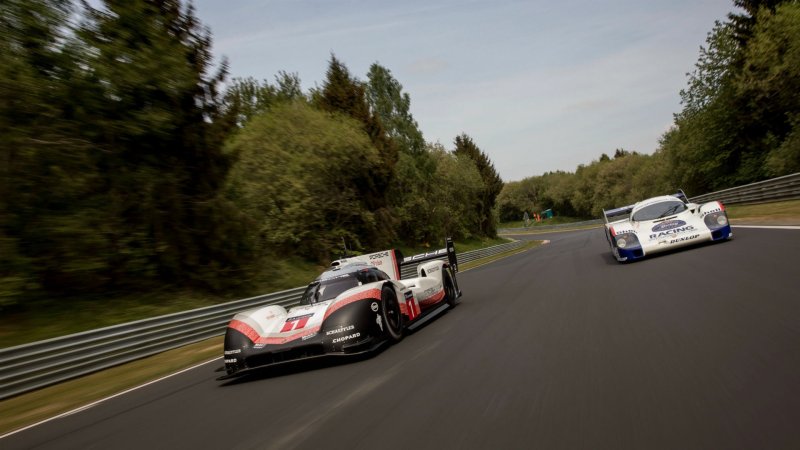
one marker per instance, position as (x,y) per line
(97,402)
(769,227)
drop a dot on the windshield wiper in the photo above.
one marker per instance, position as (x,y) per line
(669,212)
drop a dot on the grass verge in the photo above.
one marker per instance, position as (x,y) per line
(775,213)
(33,407)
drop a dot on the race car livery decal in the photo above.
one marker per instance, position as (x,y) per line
(410,308)
(296,323)
(346,338)
(339,330)
(668,225)
(376,259)
(685,238)
(427,255)
(715,210)
(430,296)
(619,232)
(672,232)
(259,340)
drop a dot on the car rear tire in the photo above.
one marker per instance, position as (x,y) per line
(390,313)
(450,294)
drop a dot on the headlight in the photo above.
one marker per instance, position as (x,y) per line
(716,220)
(627,240)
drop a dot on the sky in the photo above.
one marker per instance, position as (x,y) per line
(538,86)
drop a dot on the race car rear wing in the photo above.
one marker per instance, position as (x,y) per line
(617,212)
(681,195)
(390,261)
(449,250)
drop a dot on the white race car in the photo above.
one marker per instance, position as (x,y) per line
(356,306)
(663,223)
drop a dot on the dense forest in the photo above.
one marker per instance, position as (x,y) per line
(129,163)
(740,123)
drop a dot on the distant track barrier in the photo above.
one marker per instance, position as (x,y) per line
(32,366)
(774,190)
(560,226)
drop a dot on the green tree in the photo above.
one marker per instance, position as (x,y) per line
(343,93)
(458,188)
(386,99)
(296,182)
(715,142)
(48,178)
(770,81)
(410,196)
(743,24)
(517,198)
(160,128)
(713,72)
(493,184)
(247,97)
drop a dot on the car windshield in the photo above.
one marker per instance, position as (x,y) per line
(321,290)
(659,210)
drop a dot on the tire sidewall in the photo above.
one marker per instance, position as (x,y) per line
(449,289)
(390,305)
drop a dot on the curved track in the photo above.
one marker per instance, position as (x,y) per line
(559,347)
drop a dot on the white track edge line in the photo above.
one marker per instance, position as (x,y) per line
(97,402)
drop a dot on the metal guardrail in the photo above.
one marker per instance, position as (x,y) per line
(776,189)
(32,366)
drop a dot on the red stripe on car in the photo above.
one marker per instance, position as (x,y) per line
(396,268)
(245,329)
(433,298)
(363,295)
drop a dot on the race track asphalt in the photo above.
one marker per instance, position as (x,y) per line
(555,348)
